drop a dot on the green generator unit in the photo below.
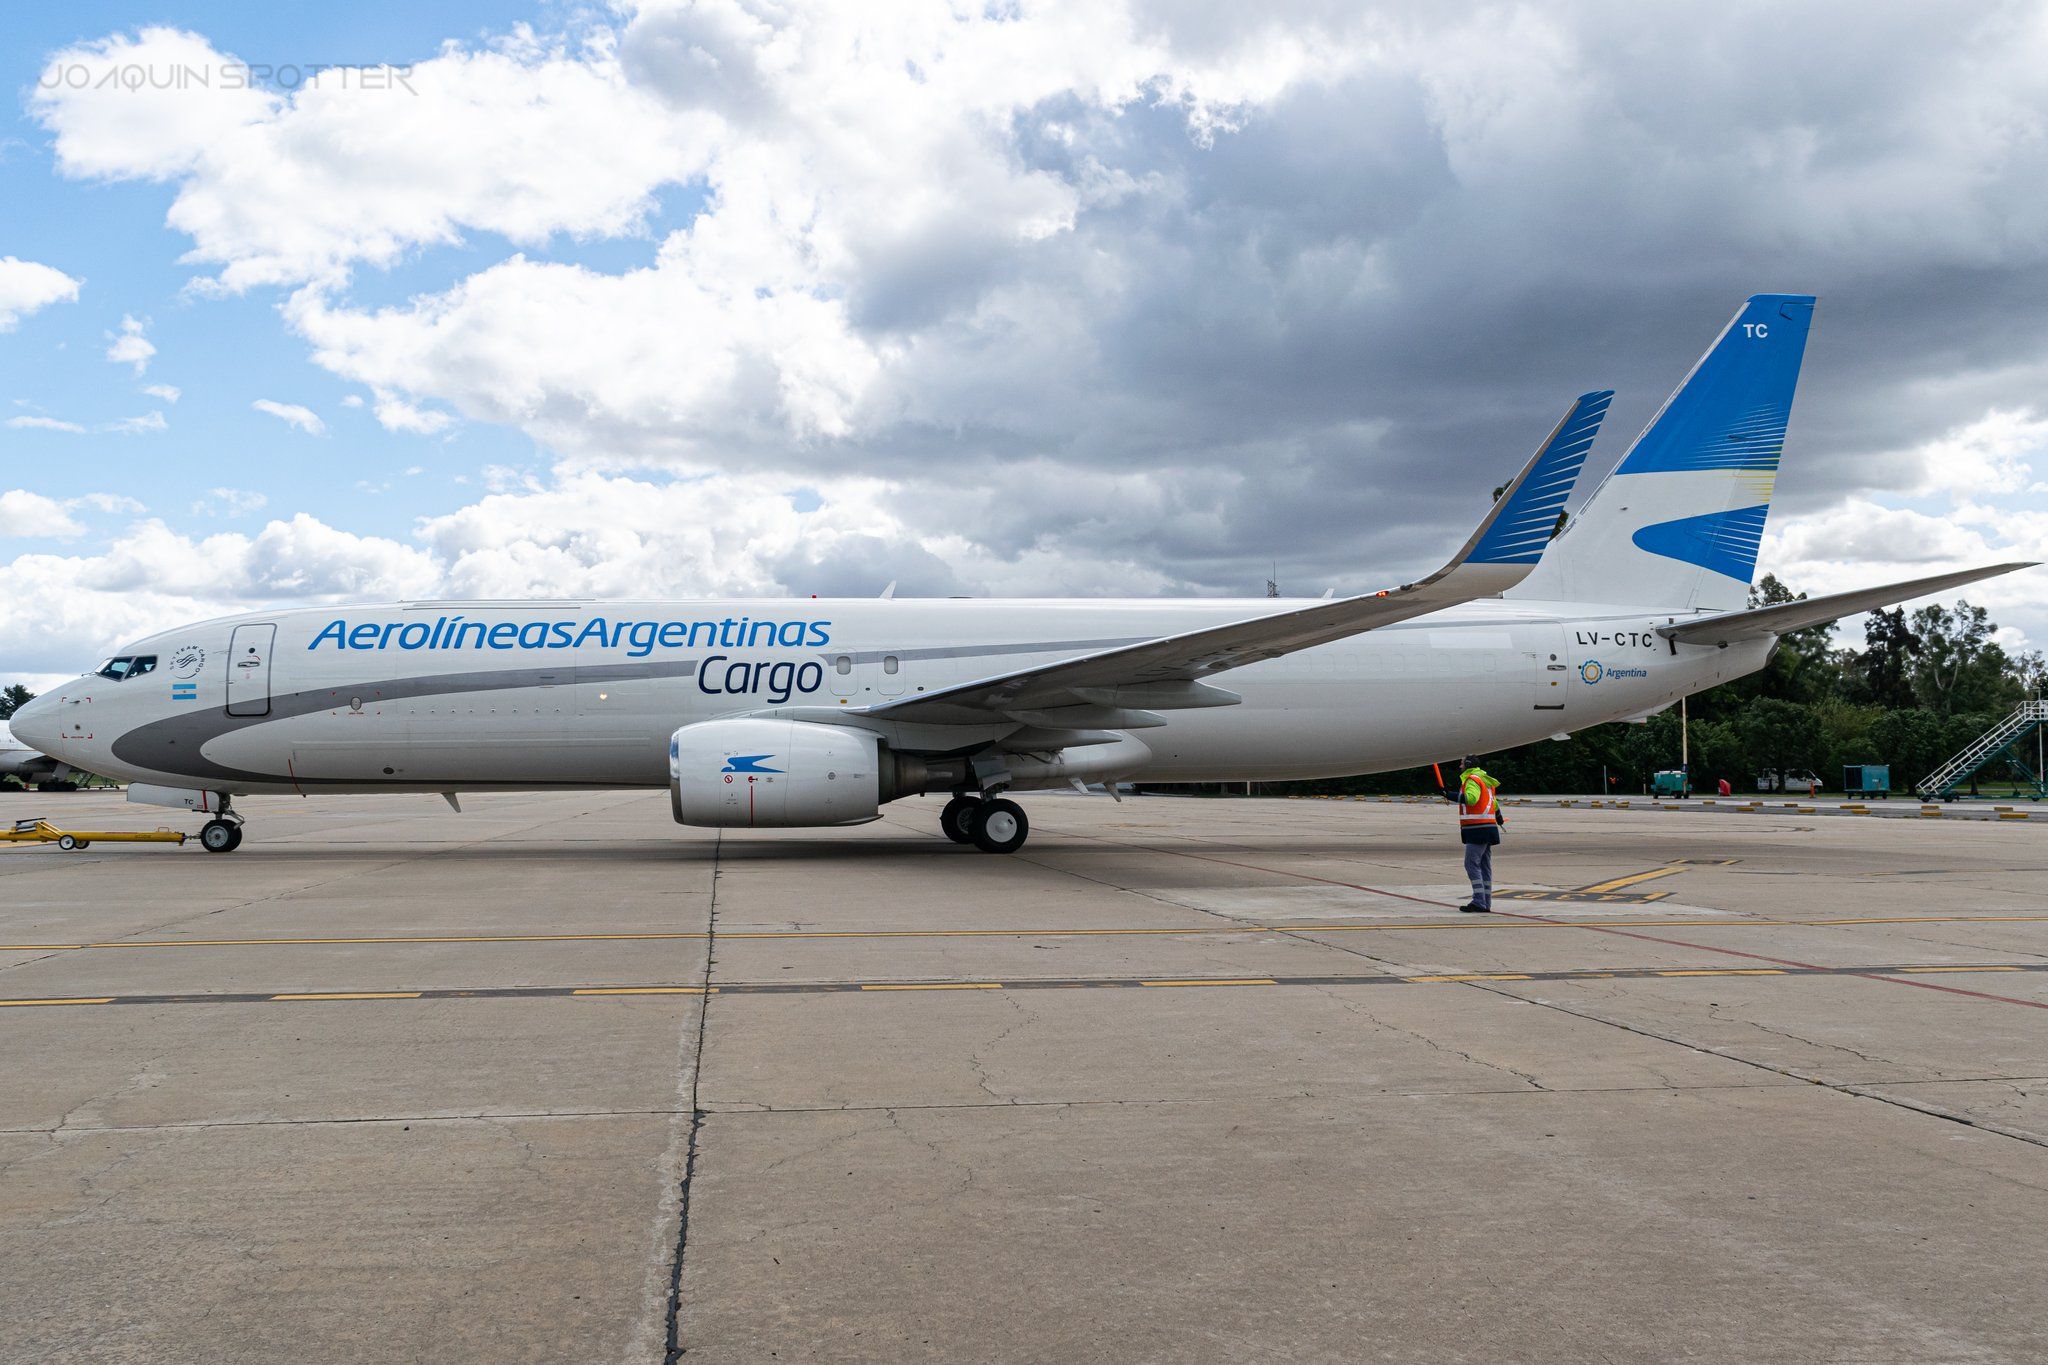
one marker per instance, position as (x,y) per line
(1671,782)
(1868,779)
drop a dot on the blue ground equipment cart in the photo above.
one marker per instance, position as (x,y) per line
(1670,782)
(1868,779)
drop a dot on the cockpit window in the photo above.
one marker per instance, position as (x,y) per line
(127,666)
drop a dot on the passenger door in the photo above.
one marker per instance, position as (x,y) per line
(248,688)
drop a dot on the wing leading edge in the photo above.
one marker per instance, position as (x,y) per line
(1166,673)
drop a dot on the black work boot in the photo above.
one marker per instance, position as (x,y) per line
(1475,908)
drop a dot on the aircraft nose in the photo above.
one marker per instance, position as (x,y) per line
(36,723)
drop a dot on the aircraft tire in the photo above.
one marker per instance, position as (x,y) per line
(218,836)
(998,826)
(953,819)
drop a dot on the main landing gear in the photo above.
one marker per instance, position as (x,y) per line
(993,826)
(223,833)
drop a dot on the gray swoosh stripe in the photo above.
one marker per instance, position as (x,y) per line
(173,745)
(869,656)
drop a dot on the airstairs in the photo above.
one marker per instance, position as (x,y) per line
(2000,741)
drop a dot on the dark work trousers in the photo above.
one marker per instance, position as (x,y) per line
(1479,866)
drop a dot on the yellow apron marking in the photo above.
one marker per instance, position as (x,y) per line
(1217,981)
(1403,926)
(1631,880)
(352,995)
(78,1000)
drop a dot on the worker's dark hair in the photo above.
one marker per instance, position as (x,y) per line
(1469,761)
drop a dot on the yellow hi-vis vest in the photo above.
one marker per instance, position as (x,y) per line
(1475,800)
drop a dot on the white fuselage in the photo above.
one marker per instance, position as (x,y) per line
(464,696)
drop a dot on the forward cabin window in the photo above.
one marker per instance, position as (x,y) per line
(889,663)
(843,664)
(127,666)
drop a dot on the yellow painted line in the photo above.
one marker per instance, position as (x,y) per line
(642,990)
(1217,981)
(940,986)
(1726,971)
(1473,976)
(1394,926)
(371,939)
(2013,815)
(1620,882)
(353,995)
(1960,969)
(76,1000)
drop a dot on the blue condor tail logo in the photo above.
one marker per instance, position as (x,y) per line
(748,763)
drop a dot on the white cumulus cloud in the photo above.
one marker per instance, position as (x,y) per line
(23,513)
(26,286)
(147,423)
(129,346)
(395,414)
(293,414)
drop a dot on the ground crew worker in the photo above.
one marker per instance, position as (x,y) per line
(1479,829)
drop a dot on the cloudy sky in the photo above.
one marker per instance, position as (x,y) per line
(766,296)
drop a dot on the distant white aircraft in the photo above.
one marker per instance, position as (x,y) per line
(801,712)
(30,768)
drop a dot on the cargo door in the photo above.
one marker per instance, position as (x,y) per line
(249,669)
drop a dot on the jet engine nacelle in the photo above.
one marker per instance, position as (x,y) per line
(764,773)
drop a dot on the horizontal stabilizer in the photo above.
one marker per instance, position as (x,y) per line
(1762,622)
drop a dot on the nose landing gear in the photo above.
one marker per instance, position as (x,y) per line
(993,826)
(218,836)
(223,833)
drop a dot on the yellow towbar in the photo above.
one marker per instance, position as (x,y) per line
(43,832)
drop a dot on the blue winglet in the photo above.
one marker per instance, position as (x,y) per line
(1523,525)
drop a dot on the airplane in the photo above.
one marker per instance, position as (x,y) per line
(806,713)
(30,768)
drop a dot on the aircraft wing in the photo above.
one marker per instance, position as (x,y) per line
(1165,673)
(1760,622)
